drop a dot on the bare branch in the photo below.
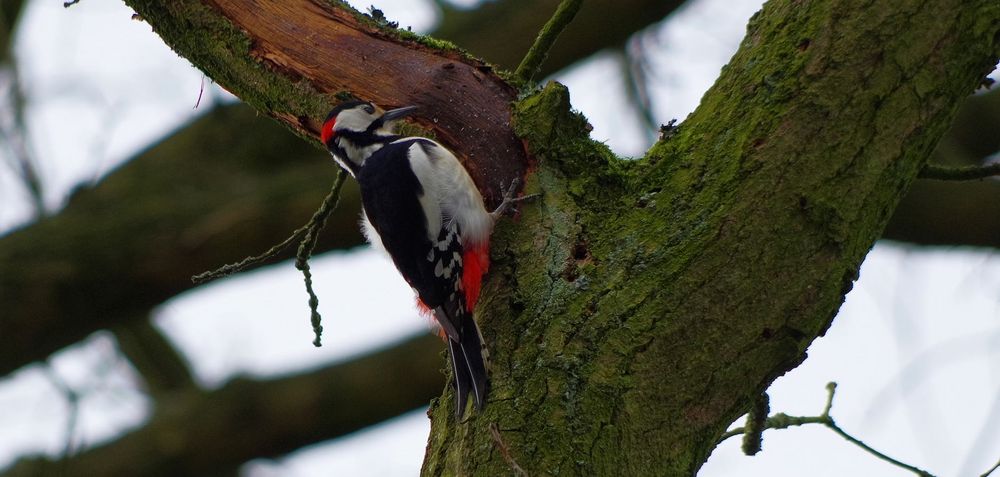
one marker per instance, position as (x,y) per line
(944,173)
(162,368)
(783,421)
(988,472)
(214,432)
(533,60)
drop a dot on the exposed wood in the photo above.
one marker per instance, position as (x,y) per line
(298,55)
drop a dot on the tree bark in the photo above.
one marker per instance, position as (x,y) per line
(653,300)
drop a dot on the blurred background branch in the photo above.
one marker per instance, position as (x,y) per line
(215,432)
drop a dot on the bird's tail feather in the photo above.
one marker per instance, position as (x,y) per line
(468,362)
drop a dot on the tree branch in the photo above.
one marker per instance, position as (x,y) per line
(990,471)
(502,31)
(266,63)
(784,421)
(945,173)
(163,369)
(209,433)
(533,60)
(948,213)
(210,193)
(308,244)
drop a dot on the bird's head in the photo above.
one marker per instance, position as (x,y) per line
(354,130)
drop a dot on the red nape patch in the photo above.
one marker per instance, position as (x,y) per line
(327,132)
(475,262)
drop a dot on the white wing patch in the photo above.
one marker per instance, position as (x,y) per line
(449,193)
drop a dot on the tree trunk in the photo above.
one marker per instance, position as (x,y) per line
(638,308)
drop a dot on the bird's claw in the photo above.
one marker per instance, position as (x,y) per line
(509,199)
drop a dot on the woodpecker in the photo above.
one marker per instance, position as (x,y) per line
(421,206)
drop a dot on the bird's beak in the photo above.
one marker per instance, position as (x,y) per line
(394,114)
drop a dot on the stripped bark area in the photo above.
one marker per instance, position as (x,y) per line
(298,58)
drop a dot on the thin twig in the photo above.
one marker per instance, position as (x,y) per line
(231,268)
(777,421)
(15,135)
(943,173)
(73,412)
(533,60)
(835,428)
(635,73)
(988,472)
(201,91)
(308,243)
(307,235)
(782,421)
(70,3)
(505,451)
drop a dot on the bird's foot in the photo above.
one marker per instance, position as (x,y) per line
(509,200)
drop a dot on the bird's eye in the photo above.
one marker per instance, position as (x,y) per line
(370,108)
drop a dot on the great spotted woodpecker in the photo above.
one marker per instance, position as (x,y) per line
(421,206)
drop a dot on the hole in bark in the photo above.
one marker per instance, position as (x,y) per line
(580,254)
(570,273)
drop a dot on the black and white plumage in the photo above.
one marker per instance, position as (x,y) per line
(423,209)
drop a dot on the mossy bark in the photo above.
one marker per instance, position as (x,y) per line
(639,307)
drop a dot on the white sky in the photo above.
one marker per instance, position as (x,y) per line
(914,349)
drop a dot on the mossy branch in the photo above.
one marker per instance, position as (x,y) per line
(944,173)
(231,268)
(756,418)
(533,60)
(307,246)
(784,421)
